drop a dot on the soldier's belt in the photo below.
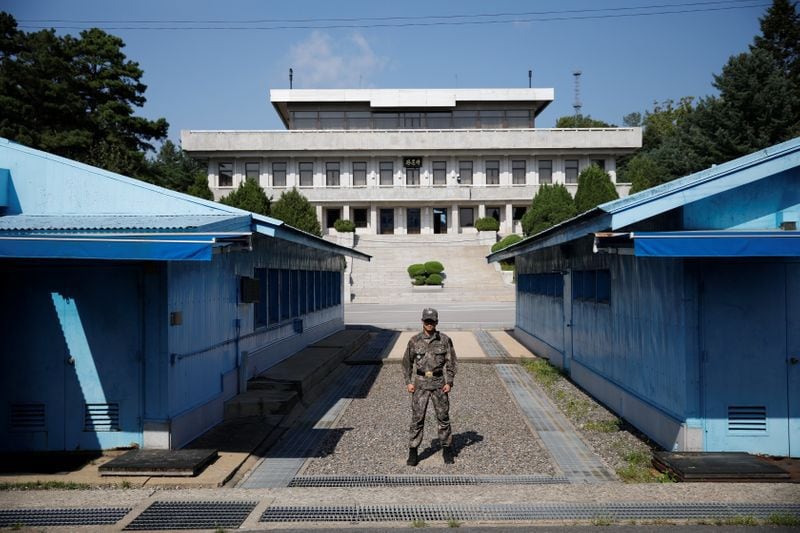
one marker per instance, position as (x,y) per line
(430,373)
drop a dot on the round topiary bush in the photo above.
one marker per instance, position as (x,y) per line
(434,267)
(344,226)
(487,224)
(433,279)
(506,241)
(417,269)
(419,280)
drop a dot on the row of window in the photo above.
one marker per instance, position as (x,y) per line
(367,120)
(285,294)
(587,285)
(305,170)
(466,216)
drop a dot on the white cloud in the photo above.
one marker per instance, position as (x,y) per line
(324,62)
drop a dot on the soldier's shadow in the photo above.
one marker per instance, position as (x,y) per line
(460,441)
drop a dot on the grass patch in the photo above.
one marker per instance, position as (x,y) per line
(603,426)
(452,522)
(737,521)
(637,468)
(602,521)
(419,523)
(45,485)
(542,371)
(783,519)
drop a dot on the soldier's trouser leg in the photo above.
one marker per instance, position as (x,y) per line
(419,404)
(441,404)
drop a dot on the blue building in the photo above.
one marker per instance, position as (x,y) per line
(126,309)
(679,307)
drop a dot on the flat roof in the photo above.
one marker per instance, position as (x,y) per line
(407,98)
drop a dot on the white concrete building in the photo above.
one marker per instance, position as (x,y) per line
(406,161)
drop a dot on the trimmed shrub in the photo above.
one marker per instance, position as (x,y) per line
(433,279)
(551,205)
(487,224)
(416,270)
(419,280)
(344,226)
(594,188)
(505,242)
(434,267)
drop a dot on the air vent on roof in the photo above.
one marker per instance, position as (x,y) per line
(27,417)
(101,417)
(747,418)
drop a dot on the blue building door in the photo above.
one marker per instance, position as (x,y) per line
(72,371)
(748,314)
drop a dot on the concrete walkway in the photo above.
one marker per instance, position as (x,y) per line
(584,495)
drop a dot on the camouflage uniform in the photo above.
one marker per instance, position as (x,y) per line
(435,361)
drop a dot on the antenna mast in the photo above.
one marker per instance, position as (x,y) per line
(577,103)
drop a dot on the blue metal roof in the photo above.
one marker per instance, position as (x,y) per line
(621,213)
(717,244)
(46,194)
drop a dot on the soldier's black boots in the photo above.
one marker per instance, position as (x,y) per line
(413,459)
(447,455)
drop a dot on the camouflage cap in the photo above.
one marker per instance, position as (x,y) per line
(430,313)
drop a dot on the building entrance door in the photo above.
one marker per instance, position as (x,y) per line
(413,221)
(387,222)
(440,220)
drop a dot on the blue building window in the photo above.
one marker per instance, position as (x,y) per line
(286,294)
(294,293)
(543,284)
(303,294)
(592,286)
(273,292)
(260,308)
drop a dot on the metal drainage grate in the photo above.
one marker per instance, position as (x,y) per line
(490,346)
(419,481)
(192,515)
(62,517)
(527,512)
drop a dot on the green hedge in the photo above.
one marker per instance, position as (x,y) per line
(434,279)
(417,269)
(434,267)
(344,226)
(506,241)
(487,224)
(419,280)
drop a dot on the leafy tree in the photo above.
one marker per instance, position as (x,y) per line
(74,97)
(294,209)
(780,37)
(581,121)
(551,205)
(594,188)
(175,170)
(250,197)
(643,172)
(200,188)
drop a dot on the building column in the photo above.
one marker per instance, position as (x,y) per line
(373,219)
(426,220)
(346,212)
(454,227)
(400,221)
(509,222)
(481,210)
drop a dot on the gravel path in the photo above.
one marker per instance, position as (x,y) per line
(490,436)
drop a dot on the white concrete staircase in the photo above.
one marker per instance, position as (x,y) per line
(468,277)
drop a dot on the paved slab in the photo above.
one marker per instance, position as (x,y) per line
(466,345)
(514,348)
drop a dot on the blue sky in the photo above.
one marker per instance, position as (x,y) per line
(630,52)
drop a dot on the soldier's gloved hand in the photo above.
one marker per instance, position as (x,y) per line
(446,388)
(411,388)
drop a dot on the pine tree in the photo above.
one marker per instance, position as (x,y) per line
(594,188)
(551,205)
(250,197)
(294,209)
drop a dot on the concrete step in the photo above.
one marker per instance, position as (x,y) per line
(261,403)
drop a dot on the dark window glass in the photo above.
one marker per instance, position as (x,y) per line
(440,172)
(518,170)
(412,120)
(318,290)
(386,172)
(332,173)
(331,216)
(286,294)
(600,163)
(225,175)
(439,121)
(274,296)
(518,118)
(331,120)
(358,120)
(465,172)
(385,121)
(518,212)
(545,171)
(260,308)
(310,290)
(252,171)
(571,170)
(465,119)
(279,174)
(413,220)
(493,172)
(466,217)
(359,173)
(360,217)
(304,120)
(295,293)
(544,284)
(303,291)
(491,119)
(493,212)
(412,177)
(306,169)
